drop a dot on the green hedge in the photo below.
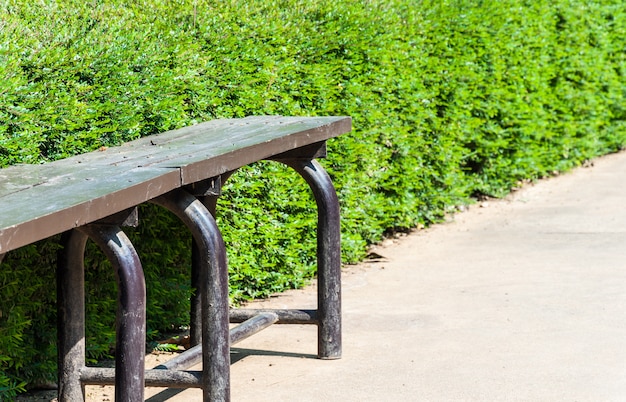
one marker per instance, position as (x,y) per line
(450,100)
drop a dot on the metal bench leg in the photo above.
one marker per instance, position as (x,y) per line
(327,317)
(212,288)
(328,256)
(130,320)
(71,315)
(207,192)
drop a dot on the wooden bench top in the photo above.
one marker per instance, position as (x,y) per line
(39,201)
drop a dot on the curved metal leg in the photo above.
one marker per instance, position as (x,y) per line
(212,288)
(328,314)
(208,197)
(328,256)
(131,312)
(71,315)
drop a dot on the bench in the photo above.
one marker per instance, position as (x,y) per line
(92,196)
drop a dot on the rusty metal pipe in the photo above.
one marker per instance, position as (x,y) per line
(212,288)
(131,310)
(193,356)
(285,316)
(252,326)
(71,315)
(209,199)
(130,318)
(328,255)
(153,378)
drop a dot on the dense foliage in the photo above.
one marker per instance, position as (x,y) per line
(450,99)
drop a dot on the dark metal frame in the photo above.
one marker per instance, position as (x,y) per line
(210,313)
(212,287)
(130,319)
(327,317)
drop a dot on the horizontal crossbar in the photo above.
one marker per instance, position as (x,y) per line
(284,316)
(170,374)
(153,378)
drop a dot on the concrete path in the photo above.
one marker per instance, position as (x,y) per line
(522,299)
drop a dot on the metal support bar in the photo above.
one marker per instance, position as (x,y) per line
(328,256)
(207,192)
(212,288)
(153,378)
(183,361)
(193,356)
(251,327)
(328,314)
(71,315)
(170,374)
(130,318)
(284,316)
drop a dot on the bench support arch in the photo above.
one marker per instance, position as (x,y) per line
(211,283)
(327,317)
(130,317)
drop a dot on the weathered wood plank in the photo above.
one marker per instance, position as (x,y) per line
(56,203)
(39,201)
(219,146)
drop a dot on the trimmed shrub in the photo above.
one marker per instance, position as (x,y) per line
(450,100)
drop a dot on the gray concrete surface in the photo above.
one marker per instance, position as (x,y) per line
(522,299)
